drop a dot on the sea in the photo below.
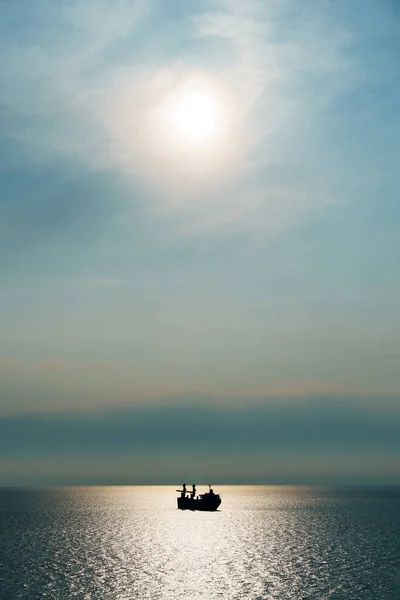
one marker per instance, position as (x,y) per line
(264,543)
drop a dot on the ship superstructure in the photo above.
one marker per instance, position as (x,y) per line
(189,501)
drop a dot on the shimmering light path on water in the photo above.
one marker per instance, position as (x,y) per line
(264,543)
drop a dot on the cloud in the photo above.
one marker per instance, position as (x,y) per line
(96,366)
(59,57)
(9,363)
(171,470)
(325,438)
(50,366)
(85,87)
(103,22)
(277,85)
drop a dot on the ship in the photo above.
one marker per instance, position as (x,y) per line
(209,501)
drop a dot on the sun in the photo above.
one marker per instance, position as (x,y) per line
(196,116)
(190,129)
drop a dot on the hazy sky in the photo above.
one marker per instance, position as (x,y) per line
(200,208)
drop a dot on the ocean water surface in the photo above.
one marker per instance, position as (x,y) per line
(265,543)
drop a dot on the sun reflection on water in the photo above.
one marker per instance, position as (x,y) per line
(265,543)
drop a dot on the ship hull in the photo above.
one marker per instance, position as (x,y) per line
(205,504)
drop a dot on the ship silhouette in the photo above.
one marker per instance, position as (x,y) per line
(209,501)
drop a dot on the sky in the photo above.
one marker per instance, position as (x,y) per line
(199,241)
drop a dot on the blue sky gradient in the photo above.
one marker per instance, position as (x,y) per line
(264,267)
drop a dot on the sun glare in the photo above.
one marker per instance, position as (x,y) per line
(186,131)
(196,116)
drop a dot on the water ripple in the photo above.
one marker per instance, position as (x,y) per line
(266,543)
